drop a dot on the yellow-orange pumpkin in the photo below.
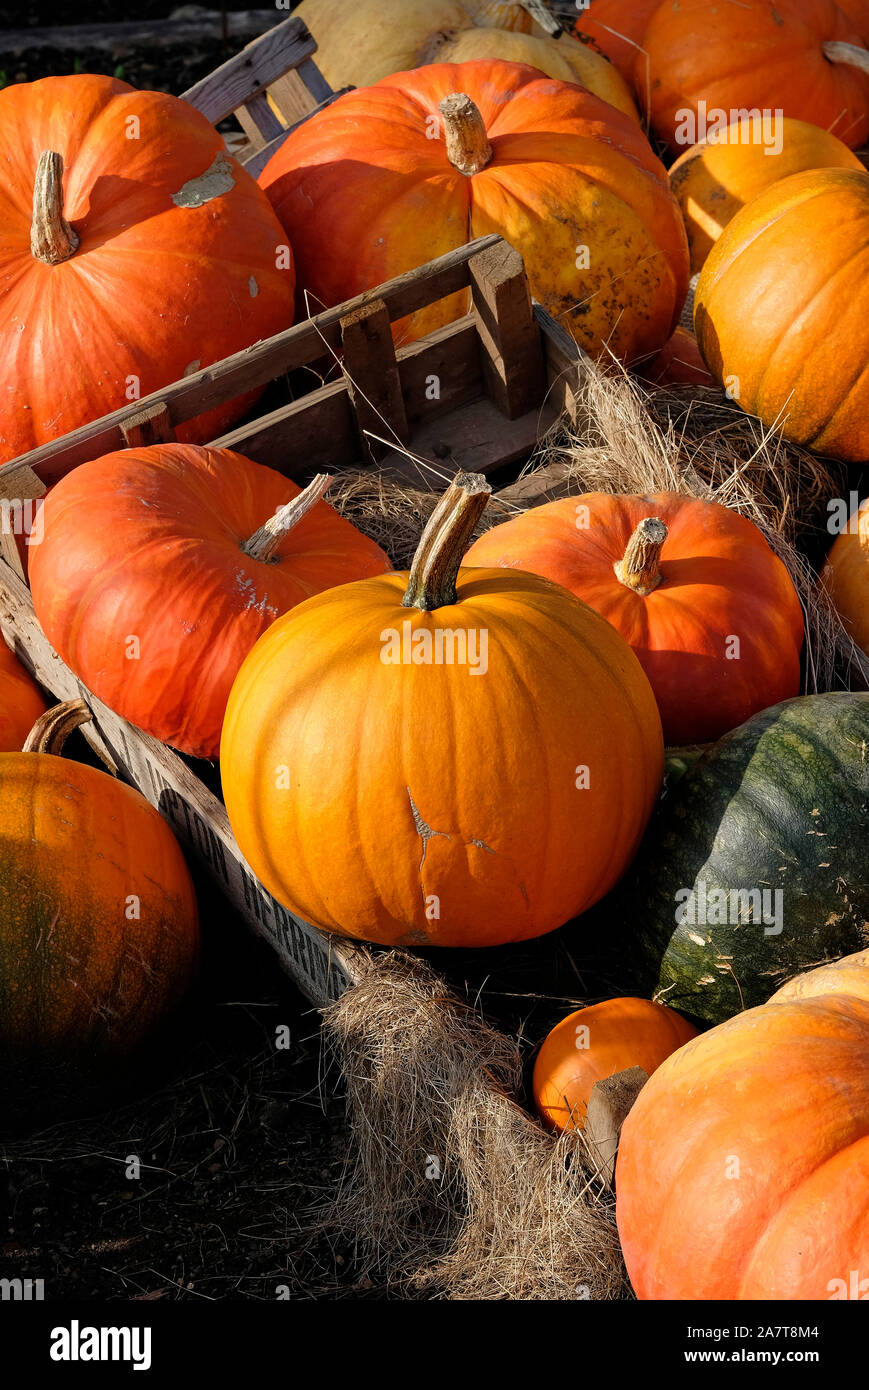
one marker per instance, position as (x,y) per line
(846,575)
(391,175)
(21,701)
(616,28)
(596,1042)
(781,310)
(454,757)
(160,567)
(743,1167)
(693,587)
(100,934)
(715,179)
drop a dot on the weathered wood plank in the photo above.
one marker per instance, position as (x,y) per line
(253,69)
(441,371)
(258,121)
(321,965)
(21,492)
(314,434)
(566,364)
(512,352)
(373,382)
(150,426)
(475,438)
(255,162)
(258,364)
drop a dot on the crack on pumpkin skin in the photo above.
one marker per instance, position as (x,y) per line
(423,829)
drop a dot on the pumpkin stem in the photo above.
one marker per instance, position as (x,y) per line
(53,728)
(849,53)
(433,574)
(638,568)
(468,148)
(264,542)
(52,239)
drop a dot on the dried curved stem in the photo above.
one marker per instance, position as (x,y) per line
(639,567)
(432,580)
(53,728)
(264,542)
(847,53)
(52,239)
(468,148)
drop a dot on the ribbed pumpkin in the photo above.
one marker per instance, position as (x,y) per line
(100,935)
(857,13)
(133,250)
(21,702)
(368,189)
(693,587)
(716,178)
(767,55)
(778,806)
(594,1043)
(160,567)
(454,757)
(846,575)
(677,363)
(359,44)
(743,1166)
(616,28)
(781,310)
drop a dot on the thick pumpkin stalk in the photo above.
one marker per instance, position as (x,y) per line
(53,728)
(264,542)
(433,574)
(52,239)
(468,148)
(639,567)
(847,53)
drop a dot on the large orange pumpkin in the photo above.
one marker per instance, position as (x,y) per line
(781,310)
(765,55)
(846,575)
(160,567)
(454,757)
(616,28)
(21,701)
(715,179)
(857,13)
(391,175)
(100,934)
(743,1167)
(709,609)
(596,1042)
(133,250)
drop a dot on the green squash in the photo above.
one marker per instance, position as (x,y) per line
(772,821)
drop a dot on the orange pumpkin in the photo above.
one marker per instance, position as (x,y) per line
(694,588)
(857,13)
(133,250)
(677,364)
(764,55)
(716,178)
(616,28)
(21,701)
(453,758)
(100,934)
(160,567)
(781,310)
(743,1167)
(594,1043)
(564,177)
(846,575)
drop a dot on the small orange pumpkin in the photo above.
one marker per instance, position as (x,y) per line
(846,575)
(594,1043)
(677,364)
(693,587)
(21,701)
(160,567)
(450,757)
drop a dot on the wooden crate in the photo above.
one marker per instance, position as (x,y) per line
(278,65)
(506,371)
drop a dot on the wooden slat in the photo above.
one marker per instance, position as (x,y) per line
(255,67)
(298,92)
(150,426)
(321,965)
(373,383)
(476,438)
(441,371)
(259,122)
(19,490)
(566,364)
(315,434)
(255,162)
(254,366)
(512,352)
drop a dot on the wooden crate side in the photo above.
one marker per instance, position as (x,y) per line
(253,367)
(322,966)
(252,70)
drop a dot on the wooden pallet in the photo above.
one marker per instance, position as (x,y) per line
(506,371)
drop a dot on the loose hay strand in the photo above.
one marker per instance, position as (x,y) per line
(454,1188)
